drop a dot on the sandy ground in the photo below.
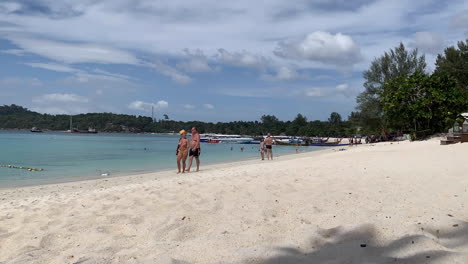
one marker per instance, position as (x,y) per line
(387,203)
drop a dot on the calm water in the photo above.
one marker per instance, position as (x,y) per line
(68,157)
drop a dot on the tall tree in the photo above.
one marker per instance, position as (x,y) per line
(335,119)
(454,62)
(422,102)
(271,124)
(297,126)
(395,63)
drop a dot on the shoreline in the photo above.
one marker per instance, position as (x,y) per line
(71,179)
(382,203)
(164,173)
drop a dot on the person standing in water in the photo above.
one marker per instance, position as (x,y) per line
(182,151)
(269,146)
(194,149)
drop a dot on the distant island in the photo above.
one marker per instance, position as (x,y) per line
(18,117)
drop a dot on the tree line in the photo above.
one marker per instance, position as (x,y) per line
(18,117)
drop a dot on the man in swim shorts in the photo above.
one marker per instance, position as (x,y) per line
(194,149)
(269,146)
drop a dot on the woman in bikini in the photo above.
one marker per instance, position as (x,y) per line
(182,151)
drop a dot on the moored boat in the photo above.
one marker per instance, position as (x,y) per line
(233,139)
(89,131)
(36,130)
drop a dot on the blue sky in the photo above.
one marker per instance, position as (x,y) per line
(209,60)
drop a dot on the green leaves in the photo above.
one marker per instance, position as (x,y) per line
(421,102)
(454,62)
(393,64)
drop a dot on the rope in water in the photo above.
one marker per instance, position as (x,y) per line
(21,167)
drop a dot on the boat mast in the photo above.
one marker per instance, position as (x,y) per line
(71,121)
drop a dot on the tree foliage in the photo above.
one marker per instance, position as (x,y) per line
(454,62)
(422,102)
(393,64)
(17,117)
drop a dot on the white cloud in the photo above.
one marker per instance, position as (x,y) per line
(189,106)
(81,75)
(74,52)
(313,92)
(283,74)
(8,7)
(60,98)
(194,65)
(346,90)
(61,110)
(321,47)
(243,59)
(12,83)
(52,66)
(172,73)
(460,20)
(196,62)
(429,42)
(209,106)
(17,52)
(342,87)
(111,74)
(145,106)
(208,25)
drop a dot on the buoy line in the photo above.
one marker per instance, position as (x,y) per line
(22,168)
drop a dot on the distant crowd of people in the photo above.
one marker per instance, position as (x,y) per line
(354,141)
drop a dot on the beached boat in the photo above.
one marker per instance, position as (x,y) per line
(290,143)
(332,144)
(36,130)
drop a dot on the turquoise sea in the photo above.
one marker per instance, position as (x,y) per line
(70,157)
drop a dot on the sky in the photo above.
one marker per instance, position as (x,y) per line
(209,60)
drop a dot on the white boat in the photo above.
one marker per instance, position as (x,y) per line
(218,138)
(237,140)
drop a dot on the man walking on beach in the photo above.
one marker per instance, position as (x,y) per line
(194,149)
(269,146)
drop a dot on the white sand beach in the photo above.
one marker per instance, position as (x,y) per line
(385,203)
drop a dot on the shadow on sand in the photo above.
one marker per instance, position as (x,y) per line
(362,246)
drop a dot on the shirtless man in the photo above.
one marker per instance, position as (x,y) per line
(268,145)
(194,149)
